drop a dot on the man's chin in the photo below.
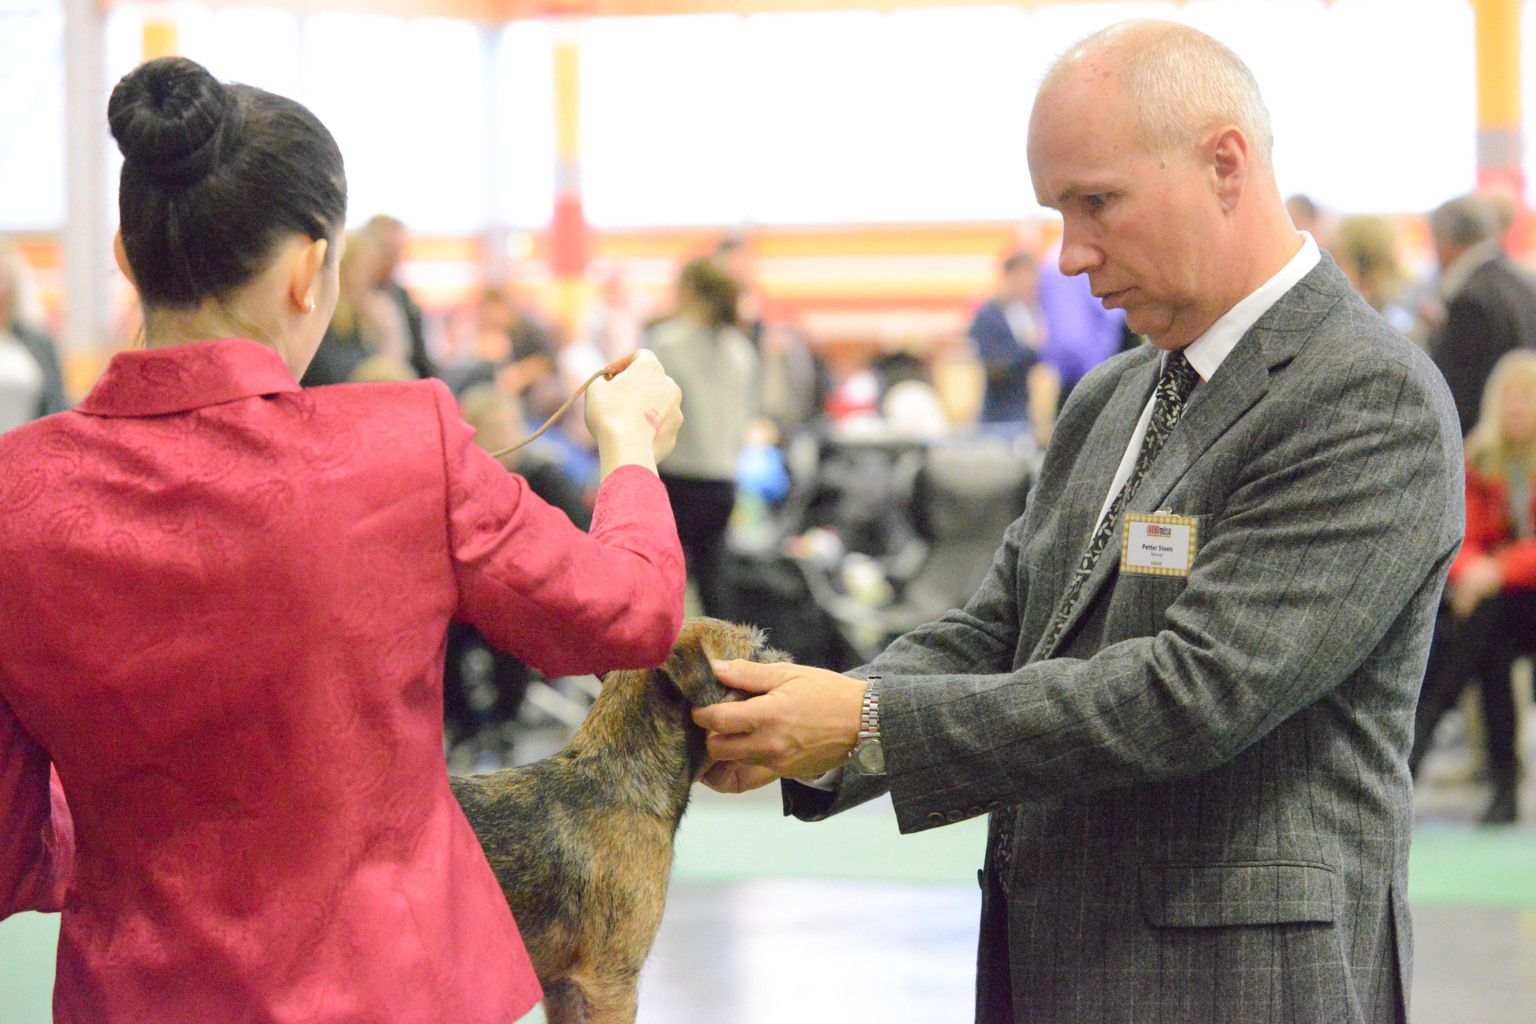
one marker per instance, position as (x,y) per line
(1150,327)
(1157,332)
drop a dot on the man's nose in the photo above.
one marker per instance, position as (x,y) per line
(1077,255)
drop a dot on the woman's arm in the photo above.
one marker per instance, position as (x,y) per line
(563,600)
(37,836)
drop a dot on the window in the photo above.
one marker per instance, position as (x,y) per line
(523,125)
(32,115)
(407,101)
(1387,121)
(665,134)
(782,118)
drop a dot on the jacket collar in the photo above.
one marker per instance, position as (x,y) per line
(1243,379)
(157,381)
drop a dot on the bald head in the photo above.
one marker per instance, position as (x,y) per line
(1178,84)
(1151,142)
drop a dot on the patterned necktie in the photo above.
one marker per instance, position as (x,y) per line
(1173,388)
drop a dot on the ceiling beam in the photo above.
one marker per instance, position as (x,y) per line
(497,11)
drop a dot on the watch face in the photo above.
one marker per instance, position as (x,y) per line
(870,757)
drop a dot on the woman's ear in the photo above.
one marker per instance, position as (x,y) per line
(308,263)
(120,254)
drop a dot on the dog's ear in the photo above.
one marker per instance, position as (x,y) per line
(689,670)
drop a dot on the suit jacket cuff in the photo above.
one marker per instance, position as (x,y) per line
(811,804)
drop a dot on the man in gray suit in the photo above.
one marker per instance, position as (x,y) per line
(1184,691)
(1490,302)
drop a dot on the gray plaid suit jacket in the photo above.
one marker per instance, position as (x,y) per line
(1207,783)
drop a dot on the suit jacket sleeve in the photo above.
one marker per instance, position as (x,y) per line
(562,600)
(36,832)
(1350,492)
(977,640)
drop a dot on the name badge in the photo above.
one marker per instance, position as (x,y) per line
(1158,544)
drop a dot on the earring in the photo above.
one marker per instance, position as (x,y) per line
(309,303)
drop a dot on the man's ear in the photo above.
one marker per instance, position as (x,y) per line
(308,263)
(1229,159)
(120,254)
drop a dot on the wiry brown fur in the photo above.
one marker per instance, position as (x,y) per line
(582,841)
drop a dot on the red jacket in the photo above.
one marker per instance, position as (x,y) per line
(1491,531)
(222,612)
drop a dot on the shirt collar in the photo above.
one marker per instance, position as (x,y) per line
(157,381)
(1207,352)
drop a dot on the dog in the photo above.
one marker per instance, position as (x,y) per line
(581,841)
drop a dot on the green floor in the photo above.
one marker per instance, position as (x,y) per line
(736,839)
(724,840)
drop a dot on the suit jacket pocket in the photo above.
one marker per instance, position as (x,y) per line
(1254,892)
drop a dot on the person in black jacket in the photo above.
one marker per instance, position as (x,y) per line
(388,237)
(1490,304)
(31,381)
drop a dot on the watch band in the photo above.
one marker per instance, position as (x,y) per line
(868,755)
(869,711)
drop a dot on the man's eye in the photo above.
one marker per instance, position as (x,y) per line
(1096,200)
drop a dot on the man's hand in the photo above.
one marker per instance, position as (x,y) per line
(802,725)
(735,777)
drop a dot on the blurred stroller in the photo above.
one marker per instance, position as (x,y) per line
(877,536)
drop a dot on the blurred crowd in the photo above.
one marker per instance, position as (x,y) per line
(759,395)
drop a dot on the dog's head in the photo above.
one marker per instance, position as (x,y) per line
(704,638)
(688,674)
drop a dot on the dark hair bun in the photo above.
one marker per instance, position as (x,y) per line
(168,116)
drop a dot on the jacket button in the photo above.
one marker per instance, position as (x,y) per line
(974,811)
(936,818)
(956,815)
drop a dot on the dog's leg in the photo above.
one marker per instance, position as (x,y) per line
(564,1003)
(612,1001)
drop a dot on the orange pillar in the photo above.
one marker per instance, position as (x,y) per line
(570,237)
(160,36)
(1499,144)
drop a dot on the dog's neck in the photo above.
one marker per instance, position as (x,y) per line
(649,724)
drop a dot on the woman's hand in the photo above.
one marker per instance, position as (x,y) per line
(1479,580)
(635,416)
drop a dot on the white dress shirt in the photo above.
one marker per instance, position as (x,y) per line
(1207,352)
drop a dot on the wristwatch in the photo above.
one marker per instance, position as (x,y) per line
(868,756)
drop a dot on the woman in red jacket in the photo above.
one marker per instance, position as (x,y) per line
(1488,617)
(223,603)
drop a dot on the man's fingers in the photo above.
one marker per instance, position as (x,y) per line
(751,676)
(740,717)
(735,777)
(723,747)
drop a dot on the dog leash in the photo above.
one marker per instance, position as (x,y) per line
(608,372)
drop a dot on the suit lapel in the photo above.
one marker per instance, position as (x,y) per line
(1102,453)
(1089,482)
(1213,407)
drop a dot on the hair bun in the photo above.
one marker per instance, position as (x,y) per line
(167,116)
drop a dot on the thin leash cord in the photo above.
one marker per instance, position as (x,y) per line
(608,372)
